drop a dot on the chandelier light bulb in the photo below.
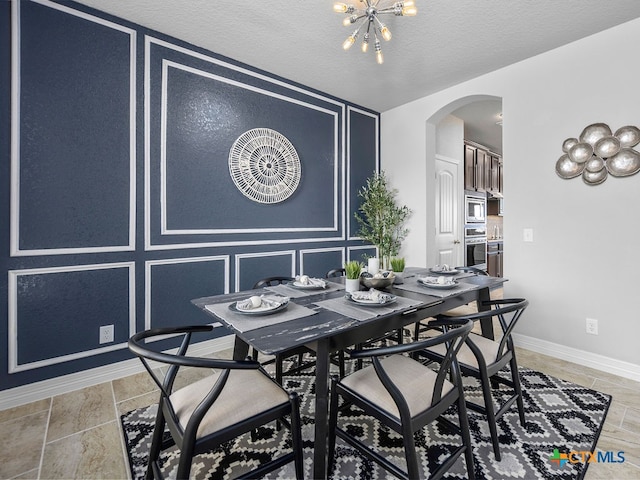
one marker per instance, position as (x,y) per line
(340,7)
(379,57)
(409,11)
(386,33)
(348,43)
(349,20)
(365,43)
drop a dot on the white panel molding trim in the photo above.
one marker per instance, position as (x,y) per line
(14,366)
(580,357)
(313,251)
(284,253)
(348,212)
(16,251)
(32,392)
(339,201)
(148,270)
(166,64)
(352,251)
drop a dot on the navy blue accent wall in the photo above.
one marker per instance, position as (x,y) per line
(117,206)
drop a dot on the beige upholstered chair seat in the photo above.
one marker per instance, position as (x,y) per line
(246,393)
(414,380)
(488,348)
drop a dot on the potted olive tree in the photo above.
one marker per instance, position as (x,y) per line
(381,219)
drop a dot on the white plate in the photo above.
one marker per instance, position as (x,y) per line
(263,310)
(372,303)
(304,286)
(440,286)
(444,272)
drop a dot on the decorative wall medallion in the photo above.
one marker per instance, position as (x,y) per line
(599,153)
(264,166)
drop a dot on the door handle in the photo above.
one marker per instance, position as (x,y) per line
(455,242)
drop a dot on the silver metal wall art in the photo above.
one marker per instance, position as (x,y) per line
(264,166)
(598,153)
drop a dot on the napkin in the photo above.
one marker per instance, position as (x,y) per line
(443,268)
(312,282)
(372,294)
(265,302)
(436,280)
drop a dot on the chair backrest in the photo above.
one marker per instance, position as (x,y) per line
(476,270)
(270,281)
(454,338)
(508,311)
(139,345)
(336,272)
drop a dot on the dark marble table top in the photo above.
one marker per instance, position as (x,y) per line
(324,324)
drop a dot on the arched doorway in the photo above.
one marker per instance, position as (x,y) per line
(445,135)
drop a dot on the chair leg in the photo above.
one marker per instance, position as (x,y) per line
(515,377)
(156,442)
(466,436)
(341,363)
(333,424)
(413,468)
(491,414)
(296,435)
(186,457)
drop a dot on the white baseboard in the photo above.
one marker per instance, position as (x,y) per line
(581,357)
(75,381)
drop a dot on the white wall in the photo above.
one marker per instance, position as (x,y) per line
(583,261)
(449,139)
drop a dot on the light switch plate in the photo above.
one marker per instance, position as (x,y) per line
(527,234)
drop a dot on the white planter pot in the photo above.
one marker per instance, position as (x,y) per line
(399,278)
(352,285)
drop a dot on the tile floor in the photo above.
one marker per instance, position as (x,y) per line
(77,435)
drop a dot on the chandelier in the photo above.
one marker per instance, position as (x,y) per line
(368,14)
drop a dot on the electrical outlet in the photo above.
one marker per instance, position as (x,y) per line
(592,326)
(106,334)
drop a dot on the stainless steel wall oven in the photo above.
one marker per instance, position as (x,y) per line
(475,246)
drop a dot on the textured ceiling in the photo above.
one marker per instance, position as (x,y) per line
(448,42)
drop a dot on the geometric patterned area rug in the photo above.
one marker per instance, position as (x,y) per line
(561,417)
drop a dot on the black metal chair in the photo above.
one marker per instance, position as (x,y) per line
(271,281)
(421,326)
(299,352)
(405,395)
(476,270)
(336,272)
(396,336)
(483,358)
(211,411)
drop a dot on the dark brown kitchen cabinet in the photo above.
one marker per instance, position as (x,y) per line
(495,259)
(469,167)
(495,174)
(475,168)
(482,169)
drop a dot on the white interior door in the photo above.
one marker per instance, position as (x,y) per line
(448,239)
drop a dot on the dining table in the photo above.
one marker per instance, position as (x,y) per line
(329,320)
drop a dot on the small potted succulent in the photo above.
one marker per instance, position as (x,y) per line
(352,270)
(397,265)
